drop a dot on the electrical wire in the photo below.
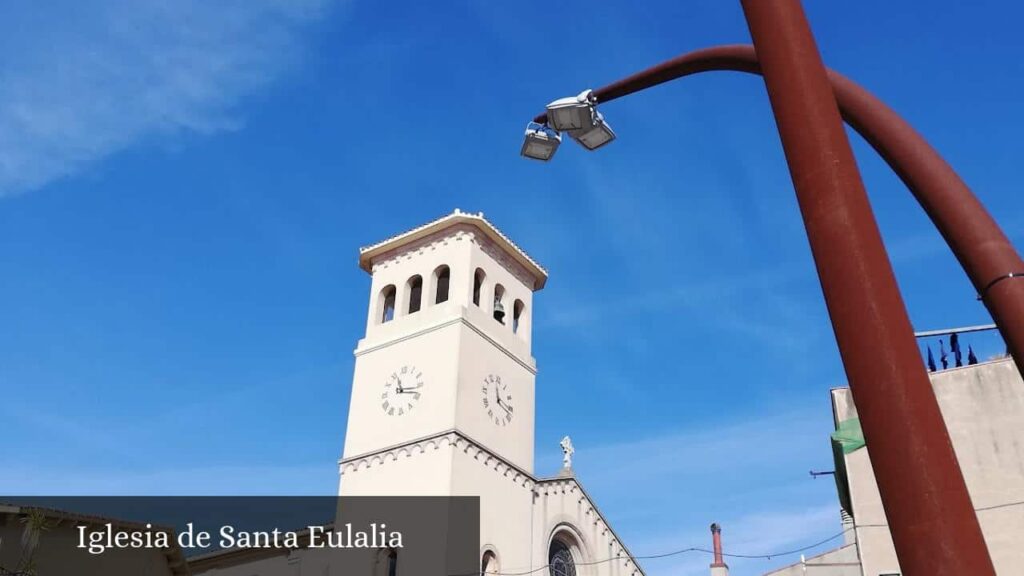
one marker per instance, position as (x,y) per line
(787,552)
(672,553)
(726,554)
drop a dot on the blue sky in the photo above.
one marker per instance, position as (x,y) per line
(184,186)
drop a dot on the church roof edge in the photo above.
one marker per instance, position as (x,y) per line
(368,253)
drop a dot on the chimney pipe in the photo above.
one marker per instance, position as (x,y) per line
(718,567)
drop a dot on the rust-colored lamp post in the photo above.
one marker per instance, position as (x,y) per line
(934,527)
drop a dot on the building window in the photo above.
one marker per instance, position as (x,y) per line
(415,288)
(478,284)
(392,562)
(442,277)
(489,563)
(499,307)
(560,560)
(387,304)
(517,315)
(386,563)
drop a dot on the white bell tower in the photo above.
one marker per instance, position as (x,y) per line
(445,359)
(443,401)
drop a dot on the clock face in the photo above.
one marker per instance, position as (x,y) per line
(497,400)
(402,390)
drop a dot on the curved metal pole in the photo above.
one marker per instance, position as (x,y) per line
(986,255)
(933,524)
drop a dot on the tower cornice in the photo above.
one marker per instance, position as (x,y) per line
(449,438)
(369,254)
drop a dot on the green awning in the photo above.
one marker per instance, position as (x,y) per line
(847,438)
(849,435)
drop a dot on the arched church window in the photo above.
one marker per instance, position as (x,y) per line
(560,560)
(387,304)
(415,288)
(517,315)
(489,564)
(499,306)
(442,278)
(478,284)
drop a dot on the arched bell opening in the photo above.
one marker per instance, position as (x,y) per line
(499,305)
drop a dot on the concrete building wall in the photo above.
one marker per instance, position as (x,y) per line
(51,555)
(983,406)
(277,563)
(295,562)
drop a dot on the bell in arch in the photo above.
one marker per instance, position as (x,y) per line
(499,311)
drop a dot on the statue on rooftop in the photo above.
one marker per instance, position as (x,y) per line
(567,452)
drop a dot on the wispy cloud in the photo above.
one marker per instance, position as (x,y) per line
(82,80)
(647,221)
(773,314)
(694,253)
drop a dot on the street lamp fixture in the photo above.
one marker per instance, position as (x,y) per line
(540,143)
(578,116)
(572,113)
(598,134)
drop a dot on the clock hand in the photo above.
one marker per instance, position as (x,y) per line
(400,389)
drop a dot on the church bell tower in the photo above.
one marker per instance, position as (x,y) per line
(446,358)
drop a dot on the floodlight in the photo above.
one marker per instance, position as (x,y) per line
(597,135)
(572,113)
(540,143)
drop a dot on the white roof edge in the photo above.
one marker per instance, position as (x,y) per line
(367,253)
(593,504)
